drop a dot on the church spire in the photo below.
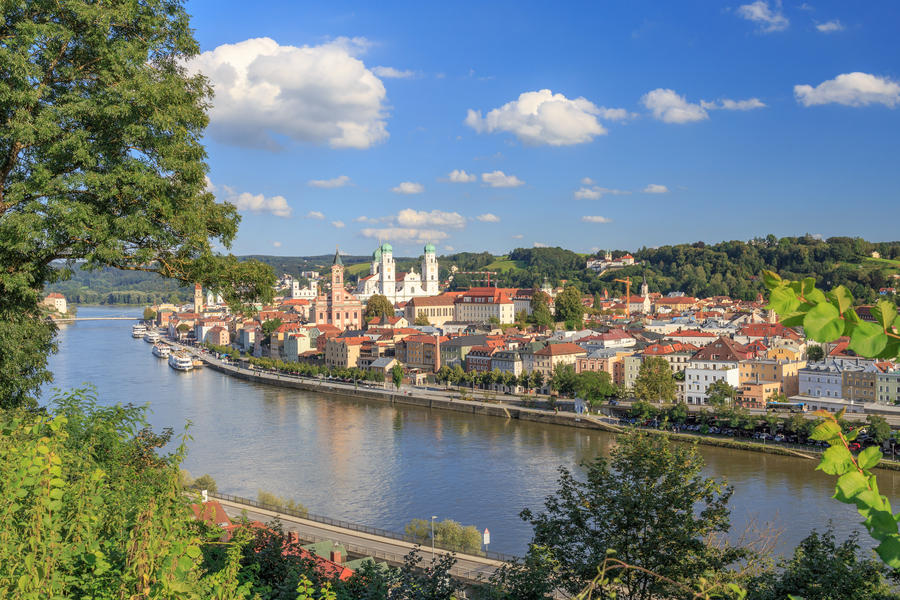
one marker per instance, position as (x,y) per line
(337,257)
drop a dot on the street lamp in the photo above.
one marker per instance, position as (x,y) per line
(432,537)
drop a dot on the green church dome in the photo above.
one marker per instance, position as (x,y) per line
(385,247)
(377,254)
(429,248)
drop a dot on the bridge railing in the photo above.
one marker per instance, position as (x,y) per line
(354,526)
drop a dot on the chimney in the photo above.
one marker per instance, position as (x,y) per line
(336,556)
(294,537)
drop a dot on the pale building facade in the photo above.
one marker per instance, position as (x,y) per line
(399,287)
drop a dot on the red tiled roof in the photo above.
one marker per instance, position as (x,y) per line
(561,349)
(55,295)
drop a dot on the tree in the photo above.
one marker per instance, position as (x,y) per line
(537,380)
(422,320)
(878,429)
(650,504)
(269,327)
(569,308)
(149,314)
(397,375)
(540,309)
(379,306)
(719,393)
(563,379)
(654,382)
(822,569)
(814,353)
(101,161)
(595,387)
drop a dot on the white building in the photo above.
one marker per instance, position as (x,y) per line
(398,287)
(701,374)
(310,292)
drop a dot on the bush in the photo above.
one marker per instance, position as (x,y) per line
(270,499)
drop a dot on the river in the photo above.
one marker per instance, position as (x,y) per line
(382,465)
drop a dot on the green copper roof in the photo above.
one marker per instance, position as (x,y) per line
(385,247)
(377,254)
(337,258)
(429,248)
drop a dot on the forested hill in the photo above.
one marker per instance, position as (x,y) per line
(698,269)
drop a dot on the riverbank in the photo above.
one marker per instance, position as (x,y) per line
(493,408)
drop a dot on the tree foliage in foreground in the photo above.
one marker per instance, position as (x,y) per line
(101,161)
(655,382)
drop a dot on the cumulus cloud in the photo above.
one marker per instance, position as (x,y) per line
(460,176)
(392,73)
(499,179)
(596,192)
(543,117)
(405,234)
(276,244)
(767,18)
(409,217)
(655,188)
(365,219)
(668,107)
(595,219)
(314,214)
(339,181)
(830,26)
(729,104)
(408,187)
(541,245)
(587,181)
(449,248)
(256,203)
(316,94)
(518,236)
(488,218)
(850,89)
(338,224)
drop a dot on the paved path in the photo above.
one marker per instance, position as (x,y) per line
(468,567)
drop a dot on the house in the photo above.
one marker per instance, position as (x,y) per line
(383,365)
(388,322)
(437,309)
(480,305)
(717,361)
(479,358)
(218,336)
(55,301)
(421,351)
(692,336)
(608,361)
(295,344)
(564,353)
(343,352)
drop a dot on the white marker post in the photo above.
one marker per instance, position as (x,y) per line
(487,538)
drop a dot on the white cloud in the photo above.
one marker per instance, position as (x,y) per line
(460,176)
(488,218)
(587,181)
(595,219)
(518,236)
(409,217)
(449,248)
(409,187)
(830,26)
(392,73)
(668,107)
(768,18)
(499,179)
(276,244)
(543,117)
(405,234)
(541,245)
(655,188)
(596,192)
(339,181)
(338,224)
(317,94)
(850,89)
(314,214)
(365,219)
(257,203)
(729,104)
(210,187)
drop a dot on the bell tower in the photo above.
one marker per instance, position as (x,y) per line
(337,278)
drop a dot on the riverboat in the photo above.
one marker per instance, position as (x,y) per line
(138,331)
(161,350)
(181,361)
(151,337)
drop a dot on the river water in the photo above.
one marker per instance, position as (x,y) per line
(382,465)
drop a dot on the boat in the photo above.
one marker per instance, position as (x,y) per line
(151,337)
(181,361)
(138,330)
(161,350)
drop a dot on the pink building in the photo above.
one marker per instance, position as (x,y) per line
(338,307)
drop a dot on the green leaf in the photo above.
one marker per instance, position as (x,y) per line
(849,485)
(771,279)
(826,431)
(868,339)
(836,460)
(807,285)
(793,319)
(823,323)
(869,457)
(885,312)
(815,296)
(889,551)
(842,298)
(783,300)
(193,551)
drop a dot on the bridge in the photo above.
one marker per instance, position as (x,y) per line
(359,540)
(74,319)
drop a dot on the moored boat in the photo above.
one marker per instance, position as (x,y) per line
(151,337)
(161,350)
(138,331)
(181,361)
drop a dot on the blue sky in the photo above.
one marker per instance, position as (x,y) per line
(490,126)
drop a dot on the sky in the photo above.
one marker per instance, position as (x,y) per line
(588,125)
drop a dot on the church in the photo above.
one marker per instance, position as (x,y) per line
(337,307)
(398,287)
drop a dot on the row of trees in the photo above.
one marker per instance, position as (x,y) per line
(310,370)
(448,534)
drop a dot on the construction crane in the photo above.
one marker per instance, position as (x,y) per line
(485,279)
(627,282)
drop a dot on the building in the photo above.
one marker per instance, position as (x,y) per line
(399,287)
(437,309)
(421,351)
(295,344)
(717,361)
(757,394)
(343,352)
(218,336)
(55,301)
(608,361)
(781,372)
(480,305)
(858,383)
(821,379)
(550,356)
(479,359)
(508,361)
(337,307)
(887,384)
(678,355)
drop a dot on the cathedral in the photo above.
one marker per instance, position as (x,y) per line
(398,287)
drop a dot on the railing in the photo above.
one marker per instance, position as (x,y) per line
(354,526)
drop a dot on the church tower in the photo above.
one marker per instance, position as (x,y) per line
(337,278)
(645,289)
(430,271)
(198,298)
(387,275)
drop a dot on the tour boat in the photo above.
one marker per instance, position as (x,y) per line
(181,361)
(138,330)
(161,350)
(151,337)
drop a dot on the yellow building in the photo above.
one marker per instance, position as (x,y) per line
(785,373)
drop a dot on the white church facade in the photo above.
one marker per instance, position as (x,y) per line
(399,287)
